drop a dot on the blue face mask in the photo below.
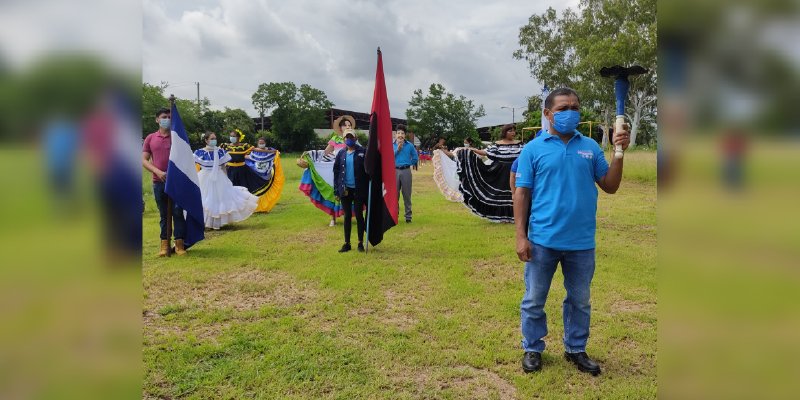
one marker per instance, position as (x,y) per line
(212,142)
(565,122)
(165,123)
(350,142)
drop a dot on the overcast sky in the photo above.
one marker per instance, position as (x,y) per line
(231,46)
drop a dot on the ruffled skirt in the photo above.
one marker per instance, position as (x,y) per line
(224,203)
(485,187)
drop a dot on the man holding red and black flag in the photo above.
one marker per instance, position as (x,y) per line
(379,165)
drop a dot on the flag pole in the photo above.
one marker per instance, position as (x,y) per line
(169,199)
(369,209)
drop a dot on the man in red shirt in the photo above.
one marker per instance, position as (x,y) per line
(155,158)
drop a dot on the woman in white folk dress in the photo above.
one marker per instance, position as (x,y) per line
(223,203)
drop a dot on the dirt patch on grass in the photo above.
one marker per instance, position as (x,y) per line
(314,237)
(629,306)
(401,307)
(399,310)
(463,381)
(155,326)
(628,358)
(221,300)
(482,384)
(240,290)
(494,272)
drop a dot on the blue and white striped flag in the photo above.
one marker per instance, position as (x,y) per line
(182,184)
(545,122)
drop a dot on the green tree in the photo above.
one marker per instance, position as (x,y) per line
(569,50)
(297,111)
(152,100)
(261,102)
(193,118)
(236,118)
(190,115)
(442,114)
(213,121)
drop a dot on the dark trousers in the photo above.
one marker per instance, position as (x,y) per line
(404,186)
(178,221)
(350,201)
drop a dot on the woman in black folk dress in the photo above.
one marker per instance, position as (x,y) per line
(485,185)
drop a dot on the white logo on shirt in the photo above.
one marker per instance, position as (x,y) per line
(586,154)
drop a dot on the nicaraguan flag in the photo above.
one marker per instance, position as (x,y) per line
(379,163)
(182,185)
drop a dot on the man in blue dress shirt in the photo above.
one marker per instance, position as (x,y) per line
(405,155)
(558,171)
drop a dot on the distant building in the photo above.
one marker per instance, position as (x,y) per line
(362,121)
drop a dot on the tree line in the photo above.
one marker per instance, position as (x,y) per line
(566,49)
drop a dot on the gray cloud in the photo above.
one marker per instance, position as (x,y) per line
(232,46)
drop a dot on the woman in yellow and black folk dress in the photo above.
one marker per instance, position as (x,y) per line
(268,190)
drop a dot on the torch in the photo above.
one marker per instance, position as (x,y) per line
(621,85)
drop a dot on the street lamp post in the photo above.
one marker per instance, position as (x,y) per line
(512,112)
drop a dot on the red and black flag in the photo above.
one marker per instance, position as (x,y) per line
(379,164)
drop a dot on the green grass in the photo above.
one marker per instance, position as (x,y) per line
(268,309)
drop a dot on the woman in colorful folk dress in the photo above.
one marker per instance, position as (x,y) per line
(266,163)
(317,179)
(267,190)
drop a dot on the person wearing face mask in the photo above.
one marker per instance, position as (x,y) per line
(223,203)
(485,187)
(266,163)
(351,187)
(155,158)
(405,156)
(556,201)
(242,175)
(317,179)
(340,125)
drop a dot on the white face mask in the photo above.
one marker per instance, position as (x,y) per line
(234,139)
(262,145)
(212,142)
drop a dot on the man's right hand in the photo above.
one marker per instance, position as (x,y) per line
(400,145)
(162,176)
(524,251)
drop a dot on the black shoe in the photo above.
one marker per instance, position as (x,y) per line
(531,361)
(345,248)
(408,220)
(361,247)
(583,362)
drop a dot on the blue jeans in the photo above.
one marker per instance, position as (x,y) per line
(578,269)
(179,223)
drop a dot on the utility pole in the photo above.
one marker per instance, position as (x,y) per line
(198,96)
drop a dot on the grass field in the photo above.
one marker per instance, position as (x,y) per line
(268,309)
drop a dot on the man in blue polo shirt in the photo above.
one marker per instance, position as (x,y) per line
(405,155)
(555,182)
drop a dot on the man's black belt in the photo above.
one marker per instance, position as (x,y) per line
(403,167)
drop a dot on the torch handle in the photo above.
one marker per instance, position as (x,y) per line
(619,125)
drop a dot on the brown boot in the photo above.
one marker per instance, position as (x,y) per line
(164,248)
(179,249)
